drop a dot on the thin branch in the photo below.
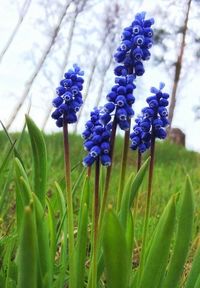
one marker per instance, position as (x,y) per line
(39,65)
(22,15)
(178,66)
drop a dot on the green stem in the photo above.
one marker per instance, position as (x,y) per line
(148,203)
(123,169)
(95,232)
(69,203)
(139,162)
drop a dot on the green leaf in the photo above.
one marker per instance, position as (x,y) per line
(23,191)
(115,252)
(27,261)
(81,245)
(182,239)
(197,284)
(39,159)
(159,251)
(195,271)
(52,231)
(131,190)
(44,255)
(59,283)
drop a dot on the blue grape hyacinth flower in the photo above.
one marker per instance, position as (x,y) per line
(120,101)
(69,97)
(152,122)
(137,39)
(97,139)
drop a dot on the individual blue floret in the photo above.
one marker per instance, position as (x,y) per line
(152,122)
(97,137)
(69,97)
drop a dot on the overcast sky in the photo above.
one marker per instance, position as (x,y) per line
(17,65)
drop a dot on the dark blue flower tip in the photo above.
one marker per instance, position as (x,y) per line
(99,129)
(161,133)
(59,122)
(164,102)
(96,139)
(120,101)
(142,148)
(57,101)
(88,161)
(88,145)
(60,91)
(105,160)
(120,71)
(124,125)
(135,140)
(111,96)
(165,121)
(148,32)
(157,123)
(105,135)
(139,68)
(86,134)
(129,88)
(145,125)
(125,45)
(163,111)
(109,107)
(133,147)
(95,151)
(89,124)
(146,136)
(165,95)
(121,90)
(137,130)
(56,114)
(137,54)
(130,99)
(105,118)
(71,118)
(153,104)
(126,35)
(148,112)
(121,114)
(146,54)
(105,147)
(67,96)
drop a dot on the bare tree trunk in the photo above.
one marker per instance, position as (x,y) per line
(39,65)
(178,66)
(22,15)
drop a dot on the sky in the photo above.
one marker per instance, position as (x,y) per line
(26,49)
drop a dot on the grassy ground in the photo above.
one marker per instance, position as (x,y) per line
(172,165)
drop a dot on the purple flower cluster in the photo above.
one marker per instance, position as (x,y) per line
(120,100)
(153,121)
(135,45)
(97,140)
(69,97)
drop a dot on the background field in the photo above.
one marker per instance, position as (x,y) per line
(171,167)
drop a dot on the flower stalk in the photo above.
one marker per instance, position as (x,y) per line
(148,202)
(123,168)
(69,201)
(95,223)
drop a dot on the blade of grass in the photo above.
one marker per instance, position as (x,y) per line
(182,239)
(39,159)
